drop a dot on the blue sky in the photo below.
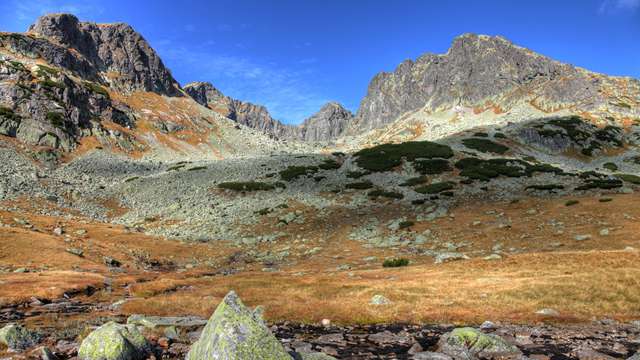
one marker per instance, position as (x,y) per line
(294,55)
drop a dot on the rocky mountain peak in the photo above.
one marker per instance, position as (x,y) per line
(122,57)
(481,69)
(203,92)
(327,124)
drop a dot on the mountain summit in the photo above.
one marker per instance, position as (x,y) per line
(483,71)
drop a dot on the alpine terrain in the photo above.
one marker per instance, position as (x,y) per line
(479,204)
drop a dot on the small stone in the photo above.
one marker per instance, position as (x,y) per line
(76,251)
(488,326)
(548,312)
(379,300)
(604,232)
(582,237)
(58,231)
(325,322)
(493,257)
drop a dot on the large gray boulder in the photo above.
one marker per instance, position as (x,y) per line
(236,332)
(469,343)
(114,341)
(17,338)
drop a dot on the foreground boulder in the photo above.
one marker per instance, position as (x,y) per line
(16,337)
(113,341)
(470,343)
(236,332)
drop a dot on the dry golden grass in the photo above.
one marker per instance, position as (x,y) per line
(585,279)
(579,285)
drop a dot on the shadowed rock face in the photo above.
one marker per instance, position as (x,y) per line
(326,124)
(478,68)
(110,49)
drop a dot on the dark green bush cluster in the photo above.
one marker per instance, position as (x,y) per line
(485,170)
(481,134)
(573,125)
(485,145)
(634,179)
(415,181)
(96,88)
(56,119)
(435,187)
(8,113)
(246,186)
(294,172)
(396,262)
(545,187)
(499,135)
(386,157)
(329,164)
(610,166)
(134,178)
(604,184)
(384,193)
(46,71)
(197,168)
(406,224)
(176,167)
(431,166)
(357,174)
(572,202)
(363,185)
(50,84)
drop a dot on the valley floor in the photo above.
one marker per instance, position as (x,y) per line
(59,274)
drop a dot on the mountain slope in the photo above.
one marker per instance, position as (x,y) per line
(482,72)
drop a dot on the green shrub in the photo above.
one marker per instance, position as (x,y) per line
(435,188)
(386,157)
(45,71)
(263,212)
(415,181)
(363,185)
(406,224)
(485,146)
(384,193)
(418,201)
(9,114)
(396,262)
(96,88)
(131,179)
(431,166)
(546,187)
(572,124)
(294,172)
(176,167)
(338,153)
(56,119)
(50,84)
(634,179)
(572,202)
(481,134)
(197,168)
(357,174)
(485,170)
(499,135)
(329,164)
(604,184)
(246,186)
(604,200)
(16,65)
(610,166)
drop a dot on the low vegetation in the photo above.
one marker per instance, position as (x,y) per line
(485,145)
(571,202)
(56,119)
(604,184)
(395,262)
(293,172)
(545,187)
(246,186)
(363,185)
(435,187)
(415,181)
(633,179)
(384,193)
(388,156)
(8,113)
(329,164)
(93,87)
(610,166)
(485,170)
(431,166)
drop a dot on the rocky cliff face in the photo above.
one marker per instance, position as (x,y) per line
(480,70)
(327,124)
(116,52)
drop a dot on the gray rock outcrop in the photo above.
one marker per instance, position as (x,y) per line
(236,332)
(113,341)
(478,70)
(118,54)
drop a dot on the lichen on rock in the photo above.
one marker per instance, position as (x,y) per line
(236,332)
(114,341)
